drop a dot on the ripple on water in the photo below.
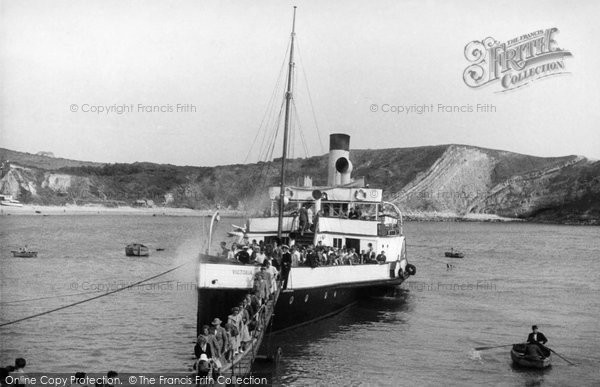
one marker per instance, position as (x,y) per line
(423,336)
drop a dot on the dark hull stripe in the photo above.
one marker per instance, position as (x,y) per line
(294,308)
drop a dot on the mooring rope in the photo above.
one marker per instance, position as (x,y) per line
(92,298)
(68,295)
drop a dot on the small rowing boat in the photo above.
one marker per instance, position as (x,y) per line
(22,253)
(454,254)
(136,250)
(520,356)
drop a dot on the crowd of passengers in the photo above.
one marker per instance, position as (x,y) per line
(275,255)
(221,342)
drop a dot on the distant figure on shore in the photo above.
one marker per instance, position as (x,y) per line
(536,337)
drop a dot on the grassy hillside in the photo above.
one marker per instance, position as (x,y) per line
(471,179)
(41,162)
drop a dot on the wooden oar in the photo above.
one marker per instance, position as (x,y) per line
(497,346)
(554,352)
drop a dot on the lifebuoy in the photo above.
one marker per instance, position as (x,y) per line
(361,194)
(411,269)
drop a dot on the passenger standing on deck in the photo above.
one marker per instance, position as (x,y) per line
(273,277)
(211,341)
(224,250)
(276,255)
(286,265)
(354,257)
(536,337)
(235,319)
(202,347)
(243,256)
(302,219)
(252,304)
(312,258)
(352,214)
(381,258)
(310,216)
(228,352)
(268,279)
(260,255)
(260,286)
(245,337)
(220,336)
(232,253)
(370,253)
(296,256)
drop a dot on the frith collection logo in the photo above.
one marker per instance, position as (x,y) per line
(516,62)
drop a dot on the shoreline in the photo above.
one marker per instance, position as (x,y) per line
(70,210)
(90,210)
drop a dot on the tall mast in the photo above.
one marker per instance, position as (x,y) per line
(286,128)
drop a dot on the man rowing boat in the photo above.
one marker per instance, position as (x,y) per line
(536,337)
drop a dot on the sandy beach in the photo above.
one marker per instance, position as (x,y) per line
(170,211)
(101,210)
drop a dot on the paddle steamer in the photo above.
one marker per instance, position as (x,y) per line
(314,293)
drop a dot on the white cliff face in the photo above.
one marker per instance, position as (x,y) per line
(456,182)
(17,180)
(57,182)
(461,182)
(542,188)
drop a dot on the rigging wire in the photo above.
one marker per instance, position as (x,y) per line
(269,154)
(270,106)
(312,107)
(301,134)
(91,298)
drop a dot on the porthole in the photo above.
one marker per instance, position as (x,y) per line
(306,298)
(291,300)
(325,296)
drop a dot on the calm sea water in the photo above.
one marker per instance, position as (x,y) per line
(513,276)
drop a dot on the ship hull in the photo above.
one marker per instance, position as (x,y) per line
(294,307)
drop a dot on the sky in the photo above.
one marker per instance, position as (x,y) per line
(61,60)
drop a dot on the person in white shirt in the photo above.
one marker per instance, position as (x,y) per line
(273,271)
(296,257)
(260,256)
(310,215)
(232,253)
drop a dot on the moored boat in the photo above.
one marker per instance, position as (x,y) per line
(454,254)
(136,250)
(7,200)
(24,253)
(519,357)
